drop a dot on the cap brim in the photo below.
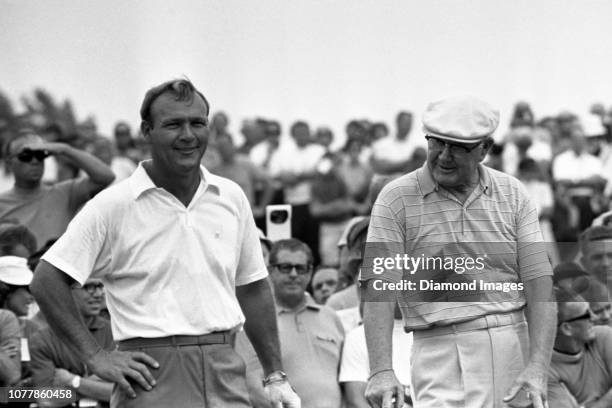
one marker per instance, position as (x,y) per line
(453,138)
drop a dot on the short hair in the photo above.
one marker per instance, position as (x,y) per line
(380,125)
(565,298)
(122,124)
(181,89)
(297,124)
(12,234)
(403,113)
(291,245)
(597,233)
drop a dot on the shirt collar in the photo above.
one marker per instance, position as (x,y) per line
(141,182)
(308,304)
(428,185)
(96,323)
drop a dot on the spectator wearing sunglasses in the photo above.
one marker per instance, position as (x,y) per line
(310,334)
(579,374)
(47,209)
(54,364)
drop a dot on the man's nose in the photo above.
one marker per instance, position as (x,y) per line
(445,153)
(187,132)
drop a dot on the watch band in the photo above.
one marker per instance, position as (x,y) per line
(76,381)
(274,377)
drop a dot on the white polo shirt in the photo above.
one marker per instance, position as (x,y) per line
(167,269)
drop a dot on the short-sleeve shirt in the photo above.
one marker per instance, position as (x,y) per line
(497,226)
(586,376)
(47,210)
(167,269)
(311,341)
(49,352)
(291,158)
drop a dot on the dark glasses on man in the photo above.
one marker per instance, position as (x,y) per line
(455,148)
(286,268)
(91,287)
(26,155)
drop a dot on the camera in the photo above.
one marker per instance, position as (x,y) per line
(278,222)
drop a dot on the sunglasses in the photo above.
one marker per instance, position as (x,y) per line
(26,155)
(286,268)
(455,148)
(91,287)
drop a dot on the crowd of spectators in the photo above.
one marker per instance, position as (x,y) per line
(565,163)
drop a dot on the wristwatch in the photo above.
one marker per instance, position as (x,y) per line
(76,382)
(274,377)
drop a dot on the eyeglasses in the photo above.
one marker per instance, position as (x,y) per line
(585,316)
(92,287)
(455,148)
(329,282)
(286,268)
(26,155)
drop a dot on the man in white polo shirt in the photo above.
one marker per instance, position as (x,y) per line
(470,344)
(177,250)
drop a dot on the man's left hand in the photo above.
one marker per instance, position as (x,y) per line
(531,381)
(281,395)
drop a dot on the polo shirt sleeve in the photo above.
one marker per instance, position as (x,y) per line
(386,236)
(532,251)
(251,266)
(83,250)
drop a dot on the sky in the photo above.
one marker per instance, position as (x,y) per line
(321,61)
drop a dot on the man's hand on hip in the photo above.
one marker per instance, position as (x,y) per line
(384,390)
(281,395)
(117,366)
(529,389)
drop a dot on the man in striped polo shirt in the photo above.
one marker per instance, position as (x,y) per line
(458,245)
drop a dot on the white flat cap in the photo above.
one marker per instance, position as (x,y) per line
(460,119)
(14,271)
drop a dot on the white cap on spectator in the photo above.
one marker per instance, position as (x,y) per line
(460,119)
(14,271)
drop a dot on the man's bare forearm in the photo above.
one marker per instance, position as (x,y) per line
(52,290)
(98,172)
(378,325)
(542,318)
(257,303)
(97,389)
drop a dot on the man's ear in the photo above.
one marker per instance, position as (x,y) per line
(565,329)
(486,146)
(145,128)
